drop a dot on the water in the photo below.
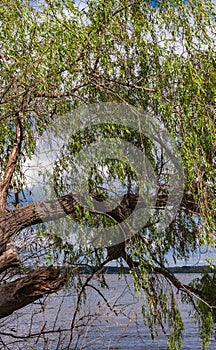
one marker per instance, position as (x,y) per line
(97,327)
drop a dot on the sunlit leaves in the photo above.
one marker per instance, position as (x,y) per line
(157,56)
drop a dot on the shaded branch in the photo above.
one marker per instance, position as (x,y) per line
(9,259)
(14,221)
(25,290)
(15,151)
(12,161)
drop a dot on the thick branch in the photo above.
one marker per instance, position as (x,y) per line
(36,213)
(9,259)
(14,153)
(25,290)
(11,164)
(13,222)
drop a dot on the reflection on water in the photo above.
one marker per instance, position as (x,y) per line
(97,327)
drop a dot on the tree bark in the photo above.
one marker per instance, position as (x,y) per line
(17,294)
(9,259)
(14,221)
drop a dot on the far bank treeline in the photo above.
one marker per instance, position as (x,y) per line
(177,269)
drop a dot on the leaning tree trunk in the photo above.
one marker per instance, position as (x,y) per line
(23,291)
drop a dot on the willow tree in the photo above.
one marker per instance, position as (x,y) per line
(157,57)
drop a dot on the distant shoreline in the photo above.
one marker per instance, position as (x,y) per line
(125,270)
(175,269)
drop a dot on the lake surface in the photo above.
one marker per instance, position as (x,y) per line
(97,327)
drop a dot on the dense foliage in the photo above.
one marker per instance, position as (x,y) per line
(157,56)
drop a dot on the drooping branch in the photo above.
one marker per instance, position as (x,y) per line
(25,290)
(58,94)
(165,272)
